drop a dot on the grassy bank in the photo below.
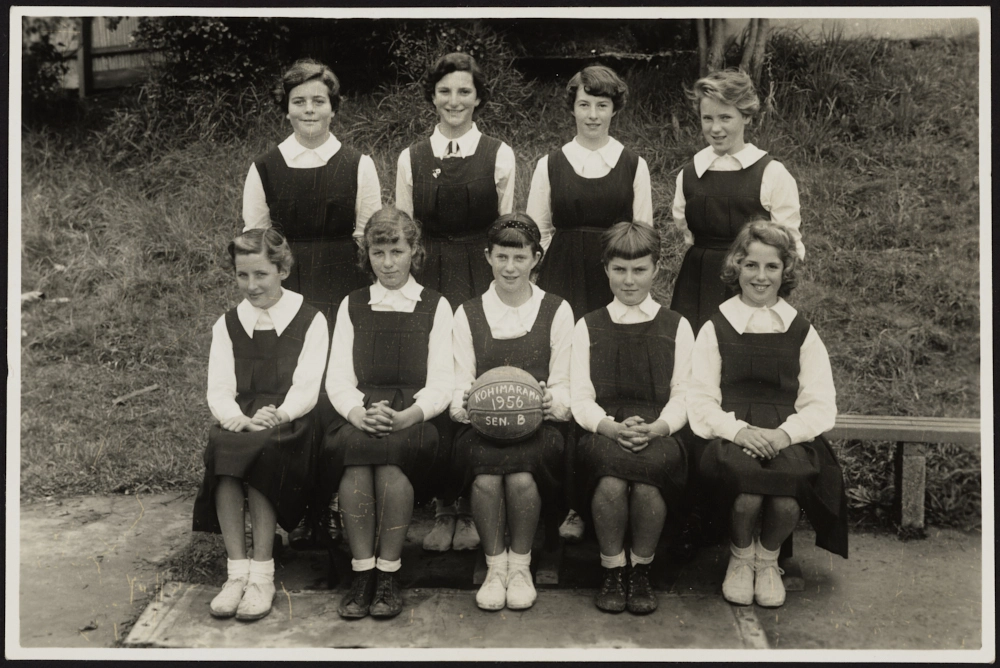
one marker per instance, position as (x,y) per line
(128,220)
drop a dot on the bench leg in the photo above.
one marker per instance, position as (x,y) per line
(910,476)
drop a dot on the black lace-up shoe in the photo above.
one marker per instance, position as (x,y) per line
(641,599)
(388,601)
(358,600)
(611,596)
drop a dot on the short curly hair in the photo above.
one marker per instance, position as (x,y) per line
(267,240)
(387,226)
(729,87)
(302,71)
(599,81)
(630,241)
(457,62)
(771,234)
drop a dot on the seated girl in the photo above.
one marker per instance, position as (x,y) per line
(264,373)
(514,323)
(390,375)
(762,387)
(629,374)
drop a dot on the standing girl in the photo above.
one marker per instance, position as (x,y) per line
(318,191)
(629,375)
(264,373)
(455,183)
(582,189)
(390,376)
(514,323)
(726,184)
(763,389)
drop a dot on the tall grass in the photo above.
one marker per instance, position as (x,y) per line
(128,221)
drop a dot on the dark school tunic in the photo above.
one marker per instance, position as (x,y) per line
(315,209)
(455,200)
(275,461)
(582,209)
(631,367)
(541,454)
(390,361)
(759,384)
(717,206)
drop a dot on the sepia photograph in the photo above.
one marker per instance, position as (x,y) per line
(328,339)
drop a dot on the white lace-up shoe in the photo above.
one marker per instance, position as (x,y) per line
(228,600)
(493,594)
(520,589)
(257,600)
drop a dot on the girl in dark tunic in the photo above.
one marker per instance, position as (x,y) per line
(629,375)
(390,379)
(514,323)
(726,184)
(455,183)
(585,187)
(762,388)
(264,374)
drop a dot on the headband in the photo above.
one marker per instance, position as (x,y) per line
(528,228)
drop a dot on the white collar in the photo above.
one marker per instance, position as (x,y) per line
(648,306)
(291,148)
(467,143)
(495,309)
(746,156)
(281,313)
(411,290)
(610,152)
(738,314)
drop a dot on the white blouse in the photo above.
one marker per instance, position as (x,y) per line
(304,392)
(587,412)
(511,323)
(590,165)
(503,170)
(815,405)
(341,379)
(778,192)
(369,199)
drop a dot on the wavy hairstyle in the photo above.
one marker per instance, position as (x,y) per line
(771,234)
(387,226)
(457,62)
(599,81)
(302,71)
(267,240)
(729,87)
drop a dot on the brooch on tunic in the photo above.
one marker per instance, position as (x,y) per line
(436,173)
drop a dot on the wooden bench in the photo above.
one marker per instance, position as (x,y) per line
(911,435)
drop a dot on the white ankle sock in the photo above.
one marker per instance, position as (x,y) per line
(237,568)
(387,566)
(359,565)
(636,559)
(616,561)
(499,561)
(515,560)
(764,553)
(262,572)
(742,552)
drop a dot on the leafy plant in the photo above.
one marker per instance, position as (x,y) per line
(43,64)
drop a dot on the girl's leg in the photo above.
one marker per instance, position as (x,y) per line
(394,502)
(358,507)
(610,510)
(738,587)
(524,506)
(647,512)
(490,512)
(781,514)
(259,594)
(743,518)
(229,508)
(263,520)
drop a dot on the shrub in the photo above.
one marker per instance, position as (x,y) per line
(42,66)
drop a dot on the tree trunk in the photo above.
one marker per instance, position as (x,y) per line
(717,52)
(757,62)
(699,25)
(749,45)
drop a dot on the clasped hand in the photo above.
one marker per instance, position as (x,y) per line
(380,419)
(634,434)
(264,418)
(762,443)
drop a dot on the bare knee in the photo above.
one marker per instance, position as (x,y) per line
(646,495)
(784,506)
(747,504)
(519,485)
(391,475)
(487,485)
(610,489)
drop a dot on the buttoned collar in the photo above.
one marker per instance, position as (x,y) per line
(525,314)
(738,314)
(411,290)
(706,157)
(647,306)
(467,143)
(610,152)
(281,313)
(291,148)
